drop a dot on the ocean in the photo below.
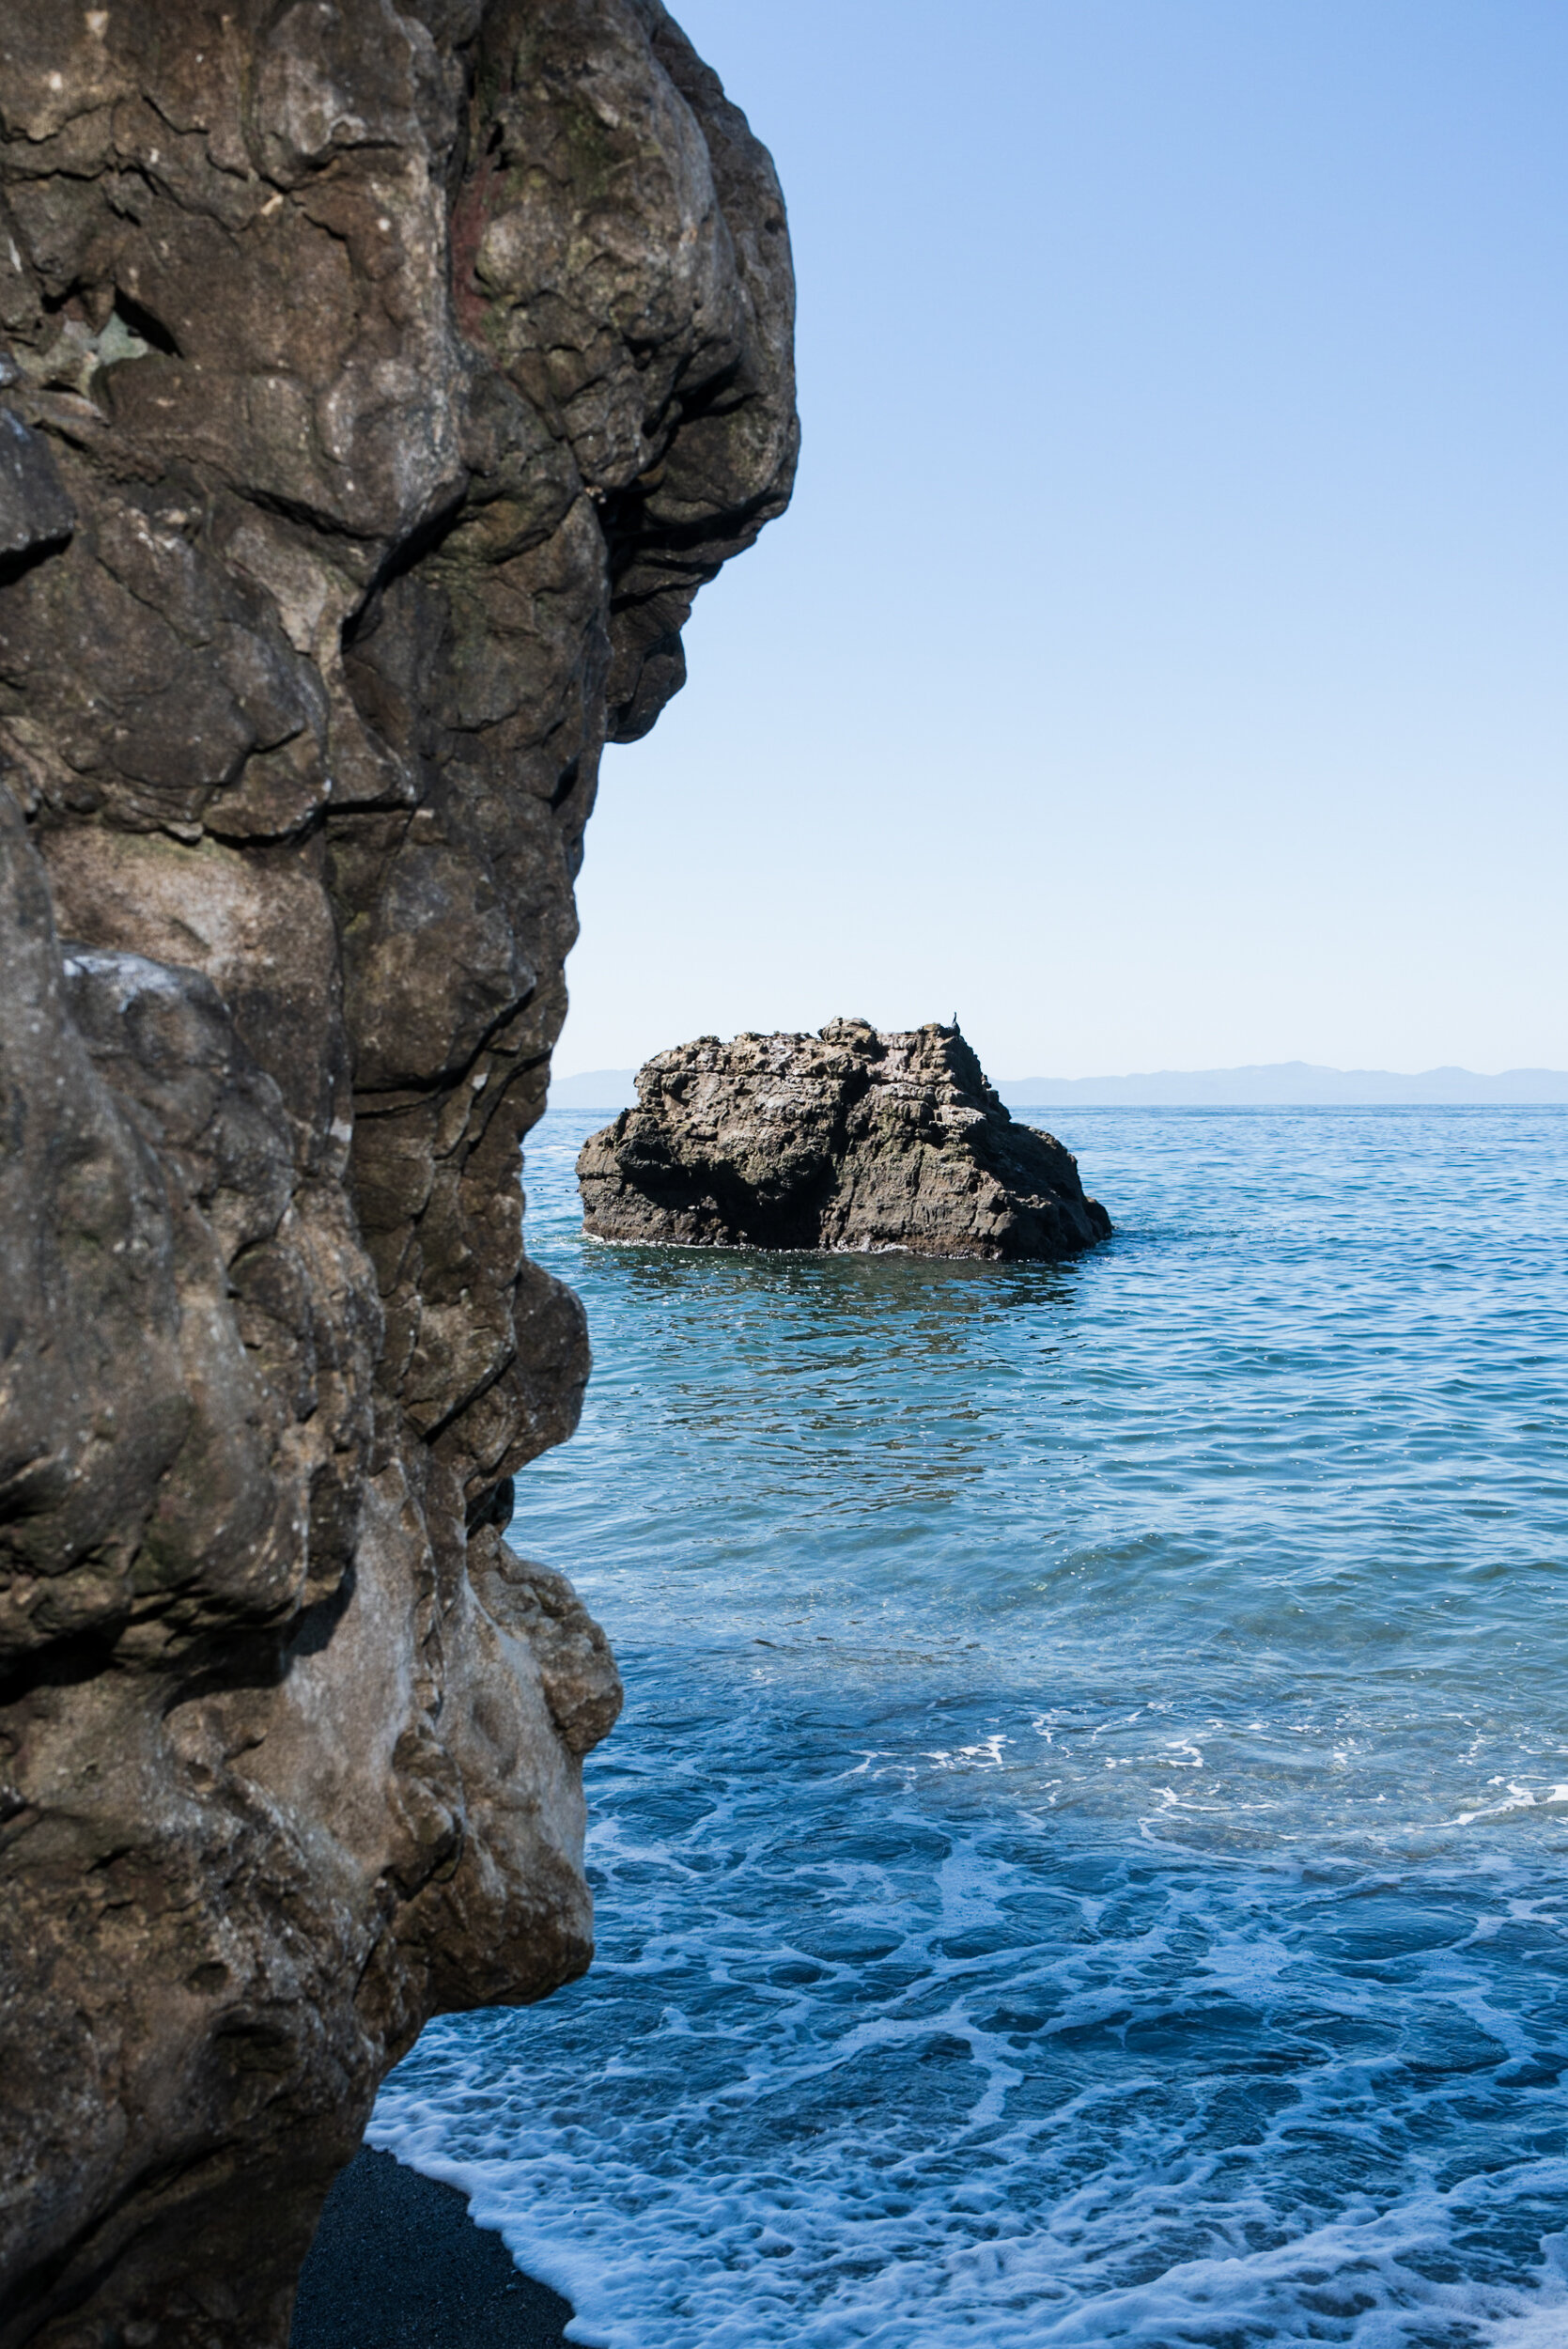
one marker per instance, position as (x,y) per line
(1085,1856)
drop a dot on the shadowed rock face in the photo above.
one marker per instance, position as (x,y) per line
(847,1140)
(381,380)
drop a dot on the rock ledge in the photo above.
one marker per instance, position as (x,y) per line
(849,1139)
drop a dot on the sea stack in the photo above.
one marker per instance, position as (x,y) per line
(849,1139)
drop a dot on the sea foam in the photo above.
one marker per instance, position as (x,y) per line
(1085,1860)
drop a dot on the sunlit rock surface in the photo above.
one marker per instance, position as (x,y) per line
(845,1140)
(378,383)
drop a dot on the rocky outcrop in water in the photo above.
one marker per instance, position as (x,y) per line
(379,381)
(845,1140)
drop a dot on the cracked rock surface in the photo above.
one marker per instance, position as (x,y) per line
(848,1139)
(380,379)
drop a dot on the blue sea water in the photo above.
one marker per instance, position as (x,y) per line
(1085,1859)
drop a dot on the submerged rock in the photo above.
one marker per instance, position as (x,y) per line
(845,1140)
(379,382)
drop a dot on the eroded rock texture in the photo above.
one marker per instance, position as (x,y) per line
(381,380)
(845,1140)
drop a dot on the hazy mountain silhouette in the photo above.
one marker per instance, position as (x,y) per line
(1279,1084)
(1284,1084)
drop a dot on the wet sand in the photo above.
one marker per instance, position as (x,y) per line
(397,2263)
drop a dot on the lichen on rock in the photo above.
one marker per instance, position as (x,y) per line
(379,381)
(847,1140)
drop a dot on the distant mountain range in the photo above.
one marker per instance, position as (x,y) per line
(1277,1084)
(1283,1084)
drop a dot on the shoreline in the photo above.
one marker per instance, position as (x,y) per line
(398,2263)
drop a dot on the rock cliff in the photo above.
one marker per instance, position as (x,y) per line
(379,381)
(845,1140)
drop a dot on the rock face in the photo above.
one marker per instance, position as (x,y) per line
(847,1140)
(379,381)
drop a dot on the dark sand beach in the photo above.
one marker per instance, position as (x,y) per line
(397,2263)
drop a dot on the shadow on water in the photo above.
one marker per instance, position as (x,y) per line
(855,1285)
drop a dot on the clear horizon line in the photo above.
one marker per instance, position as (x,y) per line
(1235,1068)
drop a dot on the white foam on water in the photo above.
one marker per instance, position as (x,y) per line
(720,2265)
(863,2062)
(1085,1860)
(1519,1799)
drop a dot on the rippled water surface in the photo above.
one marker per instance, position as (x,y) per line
(1085,1859)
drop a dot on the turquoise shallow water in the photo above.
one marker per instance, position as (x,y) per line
(1085,1859)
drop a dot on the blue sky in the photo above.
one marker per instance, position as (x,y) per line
(1162,664)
